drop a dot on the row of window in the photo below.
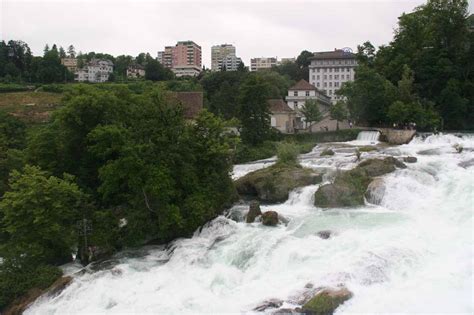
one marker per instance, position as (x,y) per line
(331,69)
(335,62)
(295,93)
(336,77)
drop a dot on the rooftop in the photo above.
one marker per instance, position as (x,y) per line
(278,105)
(303,85)
(336,54)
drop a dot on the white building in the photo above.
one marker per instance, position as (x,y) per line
(329,70)
(135,71)
(263,63)
(302,91)
(224,56)
(186,71)
(231,63)
(95,71)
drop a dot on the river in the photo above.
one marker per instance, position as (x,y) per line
(413,253)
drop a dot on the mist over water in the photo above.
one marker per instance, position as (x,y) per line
(413,253)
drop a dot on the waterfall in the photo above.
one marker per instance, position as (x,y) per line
(368,136)
(411,253)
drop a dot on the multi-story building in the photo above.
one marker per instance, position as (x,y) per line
(135,71)
(262,63)
(183,59)
(329,70)
(69,63)
(95,71)
(301,92)
(224,56)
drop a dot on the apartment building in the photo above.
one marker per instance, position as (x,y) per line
(224,56)
(183,59)
(262,63)
(329,70)
(95,71)
(135,71)
(69,63)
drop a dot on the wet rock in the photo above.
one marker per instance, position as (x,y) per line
(272,303)
(273,184)
(325,234)
(270,218)
(20,304)
(429,152)
(286,311)
(326,301)
(466,164)
(349,187)
(375,191)
(327,152)
(410,159)
(254,211)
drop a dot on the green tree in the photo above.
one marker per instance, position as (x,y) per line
(71,51)
(254,113)
(154,71)
(338,112)
(311,113)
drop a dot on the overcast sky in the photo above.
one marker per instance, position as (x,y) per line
(257,28)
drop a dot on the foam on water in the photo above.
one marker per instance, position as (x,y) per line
(411,254)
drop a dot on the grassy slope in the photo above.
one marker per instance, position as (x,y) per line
(31,107)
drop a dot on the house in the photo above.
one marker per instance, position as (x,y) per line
(135,71)
(192,103)
(70,64)
(282,116)
(95,71)
(299,93)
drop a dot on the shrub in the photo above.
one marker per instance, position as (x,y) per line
(287,153)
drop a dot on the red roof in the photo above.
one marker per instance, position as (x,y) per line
(278,105)
(303,85)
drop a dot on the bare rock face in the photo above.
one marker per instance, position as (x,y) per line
(270,218)
(254,211)
(326,301)
(375,191)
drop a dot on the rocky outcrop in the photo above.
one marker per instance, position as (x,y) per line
(19,305)
(325,234)
(270,218)
(326,301)
(254,211)
(466,164)
(271,303)
(327,152)
(396,136)
(273,184)
(349,187)
(410,159)
(375,191)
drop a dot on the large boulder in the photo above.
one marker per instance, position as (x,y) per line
(349,187)
(375,191)
(327,152)
(326,301)
(410,159)
(270,218)
(254,211)
(273,184)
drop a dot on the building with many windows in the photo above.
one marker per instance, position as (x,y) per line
(262,63)
(329,70)
(95,71)
(183,59)
(135,71)
(224,56)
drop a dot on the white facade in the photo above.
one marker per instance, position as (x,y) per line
(328,71)
(231,63)
(135,71)
(95,71)
(186,71)
(262,63)
(224,55)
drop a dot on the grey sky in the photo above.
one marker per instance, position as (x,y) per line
(256,28)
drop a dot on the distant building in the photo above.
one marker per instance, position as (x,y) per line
(282,117)
(183,59)
(224,56)
(262,63)
(95,71)
(329,70)
(70,64)
(286,60)
(301,92)
(135,71)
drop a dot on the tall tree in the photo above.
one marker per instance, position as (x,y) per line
(71,51)
(311,113)
(338,112)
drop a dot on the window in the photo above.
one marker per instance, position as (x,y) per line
(336,77)
(330,92)
(307,93)
(324,70)
(325,77)
(317,76)
(317,84)
(295,93)
(330,84)
(295,104)
(330,77)
(317,70)
(336,70)
(336,84)
(325,84)
(347,77)
(313,77)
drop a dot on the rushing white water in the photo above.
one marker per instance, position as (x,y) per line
(366,138)
(412,254)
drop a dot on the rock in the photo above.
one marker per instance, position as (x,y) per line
(273,184)
(326,301)
(325,234)
(254,211)
(429,152)
(410,159)
(349,187)
(375,191)
(286,311)
(466,164)
(270,218)
(20,304)
(327,152)
(272,303)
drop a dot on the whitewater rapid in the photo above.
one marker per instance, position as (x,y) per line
(411,254)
